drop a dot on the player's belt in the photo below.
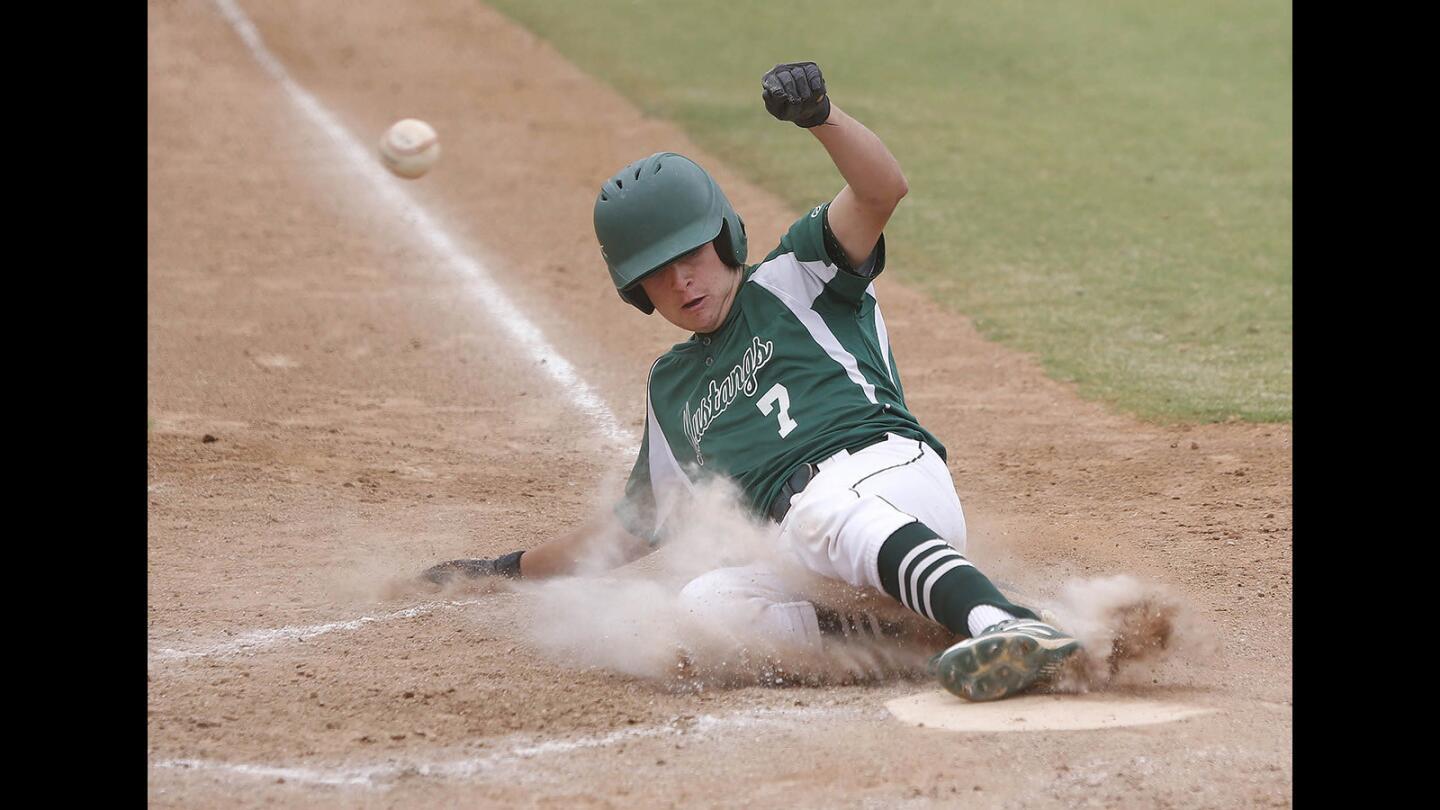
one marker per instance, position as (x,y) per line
(800,479)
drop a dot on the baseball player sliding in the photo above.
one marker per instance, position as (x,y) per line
(788,387)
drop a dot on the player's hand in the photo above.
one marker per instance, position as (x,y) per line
(795,92)
(453,570)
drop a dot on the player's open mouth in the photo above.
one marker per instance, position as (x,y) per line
(695,303)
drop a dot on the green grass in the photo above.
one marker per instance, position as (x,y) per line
(1106,184)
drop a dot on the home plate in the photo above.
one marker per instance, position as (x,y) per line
(942,710)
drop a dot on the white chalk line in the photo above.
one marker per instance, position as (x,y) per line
(482,285)
(490,294)
(259,639)
(381,777)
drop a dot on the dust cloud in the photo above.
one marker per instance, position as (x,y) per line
(635,621)
(1128,630)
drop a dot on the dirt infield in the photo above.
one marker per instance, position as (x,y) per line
(333,407)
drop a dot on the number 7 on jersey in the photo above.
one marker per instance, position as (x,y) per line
(777,393)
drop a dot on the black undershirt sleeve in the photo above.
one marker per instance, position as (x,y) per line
(840,259)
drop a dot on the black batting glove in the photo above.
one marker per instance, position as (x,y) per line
(506,566)
(795,92)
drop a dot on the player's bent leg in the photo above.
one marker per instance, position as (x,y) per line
(838,523)
(827,532)
(929,576)
(751,602)
(1009,651)
(858,521)
(865,540)
(837,535)
(921,486)
(748,622)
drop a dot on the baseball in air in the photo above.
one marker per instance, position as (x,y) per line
(409,148)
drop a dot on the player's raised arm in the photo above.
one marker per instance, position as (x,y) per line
(796,92)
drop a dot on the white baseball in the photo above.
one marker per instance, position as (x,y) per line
(409,148)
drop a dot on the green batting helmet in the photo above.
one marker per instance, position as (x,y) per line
(656,210)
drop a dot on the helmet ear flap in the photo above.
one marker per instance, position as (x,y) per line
(636,297)
(726,245)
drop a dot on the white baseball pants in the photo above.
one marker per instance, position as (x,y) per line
(835,528)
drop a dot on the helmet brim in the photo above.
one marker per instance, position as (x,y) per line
(654,258)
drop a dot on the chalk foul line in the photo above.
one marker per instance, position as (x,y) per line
(520,751)
(259,639)
(490,295)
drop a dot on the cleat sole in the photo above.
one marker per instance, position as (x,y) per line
(999,667)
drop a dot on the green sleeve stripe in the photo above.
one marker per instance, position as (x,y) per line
(790,281)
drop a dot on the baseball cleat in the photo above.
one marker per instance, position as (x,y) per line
(1008,658)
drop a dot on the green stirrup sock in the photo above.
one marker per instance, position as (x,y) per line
(927,575)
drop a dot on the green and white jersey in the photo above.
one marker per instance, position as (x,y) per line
(800,370)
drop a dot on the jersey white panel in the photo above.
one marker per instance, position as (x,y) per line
(668,481)
(798,288)
(821,270)
(881,335)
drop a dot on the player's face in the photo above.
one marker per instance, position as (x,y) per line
(695,291)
